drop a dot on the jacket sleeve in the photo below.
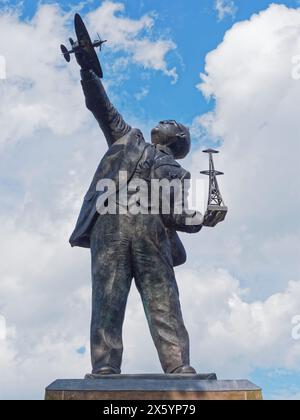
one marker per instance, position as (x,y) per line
(180,217)
(111,122)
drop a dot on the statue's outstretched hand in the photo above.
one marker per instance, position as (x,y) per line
(83,60)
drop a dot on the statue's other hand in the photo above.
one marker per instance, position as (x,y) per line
(83,60)
(213,218)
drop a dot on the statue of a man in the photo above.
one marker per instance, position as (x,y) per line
(143,247)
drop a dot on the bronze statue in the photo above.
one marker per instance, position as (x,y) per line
(125,246)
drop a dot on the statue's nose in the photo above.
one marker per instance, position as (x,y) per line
(156,129)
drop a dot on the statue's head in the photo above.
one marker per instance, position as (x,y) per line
(173,135)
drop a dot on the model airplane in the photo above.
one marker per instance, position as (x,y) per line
(85,44)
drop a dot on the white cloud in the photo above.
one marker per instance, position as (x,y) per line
(225,8)
(2,68)
(132,36)
(238,321)
(231,334)
(2,328)
(143,93)
(256,115)
(228,334)
(40,94)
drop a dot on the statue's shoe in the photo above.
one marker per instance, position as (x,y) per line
(184,370)
(104,371)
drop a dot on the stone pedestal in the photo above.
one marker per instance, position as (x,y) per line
(153,387)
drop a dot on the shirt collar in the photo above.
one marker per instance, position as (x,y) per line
(164,149)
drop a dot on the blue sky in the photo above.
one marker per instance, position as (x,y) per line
(247,269)
(193,26)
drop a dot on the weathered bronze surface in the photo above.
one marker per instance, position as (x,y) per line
(142,247)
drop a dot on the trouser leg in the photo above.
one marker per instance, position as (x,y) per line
(156,282)
(111,281)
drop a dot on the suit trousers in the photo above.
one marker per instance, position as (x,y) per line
(123,248)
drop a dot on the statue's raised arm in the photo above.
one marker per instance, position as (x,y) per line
(111,122)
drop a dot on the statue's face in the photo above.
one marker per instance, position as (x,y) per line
(164,131)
